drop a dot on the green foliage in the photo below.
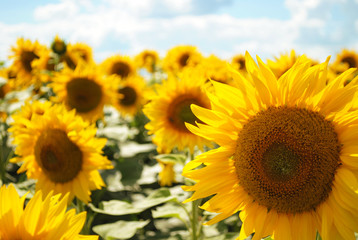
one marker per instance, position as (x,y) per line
(119,229)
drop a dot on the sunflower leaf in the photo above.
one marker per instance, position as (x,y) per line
(118,208)
(119,230)
(172,158)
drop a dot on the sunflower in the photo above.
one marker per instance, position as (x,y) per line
(76,53)
(60,150)
(238,62)
(41,219)
(23,56)
(167,174)
(121,66)
(180,57)
(147,59)
(58,46)
(288,155)
(83,89)
(345,59)
(130,97)
(282,63)
(169,109)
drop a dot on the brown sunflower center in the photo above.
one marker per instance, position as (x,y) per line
(59,47)
(26,59)
(350,60)
(59,158)
(179,112)
(241,63)
(183,60)
(120,68)
(286,158)
(129,96)
(83,94)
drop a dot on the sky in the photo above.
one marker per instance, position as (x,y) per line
(317,28)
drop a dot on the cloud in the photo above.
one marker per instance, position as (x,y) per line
(127,27)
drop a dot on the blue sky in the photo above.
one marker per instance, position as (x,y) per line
(317,28)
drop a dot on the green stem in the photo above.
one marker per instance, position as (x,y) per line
(194,219)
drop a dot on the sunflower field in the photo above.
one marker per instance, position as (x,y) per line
(181,146)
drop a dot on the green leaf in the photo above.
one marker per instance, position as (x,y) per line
(169,210)
(172,158)
(119,230)
(118,208)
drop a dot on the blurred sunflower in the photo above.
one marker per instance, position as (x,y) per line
(77,52)
(41,219)
(345,59)
(60,150)
(121,66)
(169,109)
(167,174)
(44,67)
(130,97)
(238,62)
(4,89)
(58,46)
(180,57)
(288,154)
(147,59)
(24,53)
(83,89)
(282,63)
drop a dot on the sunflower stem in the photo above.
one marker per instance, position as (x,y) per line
(194,219)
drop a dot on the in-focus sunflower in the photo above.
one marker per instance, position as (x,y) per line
(147,59)
(83,89)
(130,98)
(180,57)
(169,109)
(121,66)
(60,150)
(41,219)
(76,53)
(24,53)
(288,155)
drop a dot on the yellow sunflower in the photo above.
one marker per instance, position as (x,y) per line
(169,109)
(83,89)
(288,155)
(130,98)
(282,63)
(58,46)
(167,174)
(118,65)
(345,59)
(60,150)
(238,63)
(180,57)
(147,59)
(24,53)
(76,53)
(41,219)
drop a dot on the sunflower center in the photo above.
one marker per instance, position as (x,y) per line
(26,58)
(121,69)
(241,63)
(286,158)
(351,62)
(179,112)
(83,94)
(129,96)
(183,60)
(59,158)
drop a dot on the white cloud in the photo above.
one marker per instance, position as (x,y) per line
(127,27)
